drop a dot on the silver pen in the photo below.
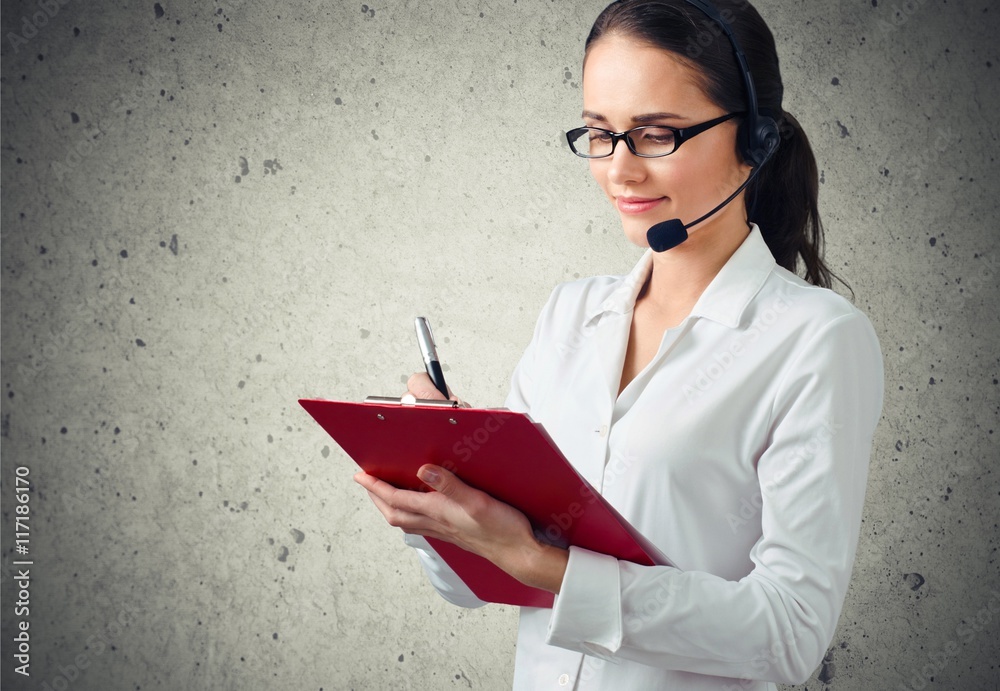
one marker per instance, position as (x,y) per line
(429,352)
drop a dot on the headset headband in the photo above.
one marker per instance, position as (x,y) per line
(760,133)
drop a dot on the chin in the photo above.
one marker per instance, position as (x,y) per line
(635,231)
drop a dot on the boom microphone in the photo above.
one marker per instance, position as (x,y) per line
(668,234)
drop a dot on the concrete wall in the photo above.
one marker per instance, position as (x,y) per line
(212,210)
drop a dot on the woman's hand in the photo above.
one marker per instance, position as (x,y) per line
(419,385)
(472,520)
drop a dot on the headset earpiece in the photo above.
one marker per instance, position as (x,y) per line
(758,138)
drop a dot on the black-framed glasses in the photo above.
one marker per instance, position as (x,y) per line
(646,141)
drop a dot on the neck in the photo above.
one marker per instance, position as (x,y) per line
(680,275)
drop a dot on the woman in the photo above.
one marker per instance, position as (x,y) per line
(722,404)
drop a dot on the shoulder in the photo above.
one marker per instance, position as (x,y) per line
(815,334)
(825,354)
(804,310)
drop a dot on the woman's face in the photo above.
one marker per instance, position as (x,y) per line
(626,84)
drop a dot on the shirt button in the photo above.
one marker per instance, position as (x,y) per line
(603,431)
(563,679)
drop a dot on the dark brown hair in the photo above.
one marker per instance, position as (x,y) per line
(783,199)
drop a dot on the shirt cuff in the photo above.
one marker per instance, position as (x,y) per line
(586,615)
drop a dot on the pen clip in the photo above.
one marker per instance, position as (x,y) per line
(425,339)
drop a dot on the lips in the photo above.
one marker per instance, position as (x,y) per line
(637,205)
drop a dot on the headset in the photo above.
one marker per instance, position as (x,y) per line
(757,139)
(758,135)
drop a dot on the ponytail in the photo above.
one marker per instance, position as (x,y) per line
(784,202)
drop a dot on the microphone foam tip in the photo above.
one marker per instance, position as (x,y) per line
(666,235)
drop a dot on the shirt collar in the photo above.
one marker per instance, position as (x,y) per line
(723,300)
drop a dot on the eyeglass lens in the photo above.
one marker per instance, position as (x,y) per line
(647,141)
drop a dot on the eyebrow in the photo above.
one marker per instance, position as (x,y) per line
(648,117)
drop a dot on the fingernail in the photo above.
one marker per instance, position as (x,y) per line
(430,476)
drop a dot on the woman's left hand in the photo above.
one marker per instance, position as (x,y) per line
(472,520)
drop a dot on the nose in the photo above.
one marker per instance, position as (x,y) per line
(624,167)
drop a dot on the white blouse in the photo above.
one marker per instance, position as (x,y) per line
(741,451)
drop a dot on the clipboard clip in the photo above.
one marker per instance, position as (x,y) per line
(411,400)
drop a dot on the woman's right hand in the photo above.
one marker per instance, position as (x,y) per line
(419,385)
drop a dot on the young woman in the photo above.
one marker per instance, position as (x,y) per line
(722,404)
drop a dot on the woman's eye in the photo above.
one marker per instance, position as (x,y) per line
(597,136)
(658,137)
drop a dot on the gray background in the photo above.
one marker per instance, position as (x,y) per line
(210,213)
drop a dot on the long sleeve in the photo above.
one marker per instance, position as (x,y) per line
(441,576)
(776,622)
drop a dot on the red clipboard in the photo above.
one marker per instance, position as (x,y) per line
(500,452)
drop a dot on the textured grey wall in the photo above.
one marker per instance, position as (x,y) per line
(211,210)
